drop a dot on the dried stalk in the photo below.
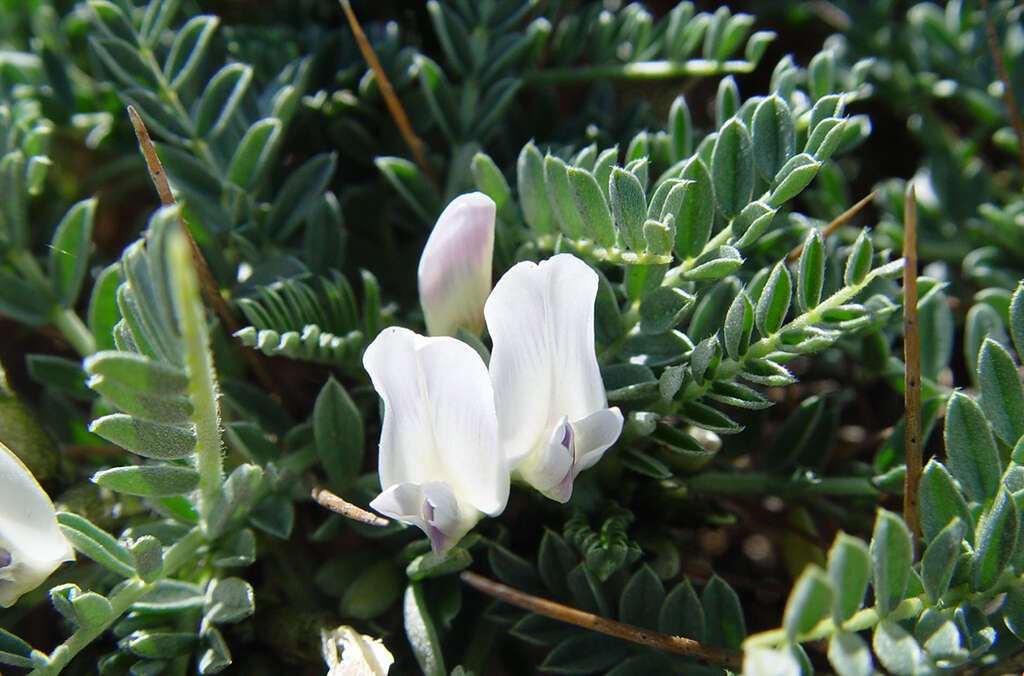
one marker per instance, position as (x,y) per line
(835,223)
(388,92)
(912,362)
(677,644)
(345,508)
(1008,98)
(206,281)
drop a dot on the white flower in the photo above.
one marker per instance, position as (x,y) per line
(768,662)
(441,465)
(360,655)
(553,413)
(455,268)
(31,544)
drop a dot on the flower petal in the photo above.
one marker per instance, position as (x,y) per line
(595,434)
(455,268)
(31,544)
(543,365)
(551,468)
(431,507)
(439,419)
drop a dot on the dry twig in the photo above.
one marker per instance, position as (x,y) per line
(677,644)
(912,366)
(836,222)
(345,508)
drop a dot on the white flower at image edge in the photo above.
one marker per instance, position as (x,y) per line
(360,655)
(454,274)
(441,466)
(553,414)
(31,544)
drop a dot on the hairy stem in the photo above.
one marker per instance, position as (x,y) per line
(183,551)
(202,378)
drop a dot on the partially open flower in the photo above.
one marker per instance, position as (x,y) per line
(31,544)
(455,267)
(553,413)
(359,655)
(441,465)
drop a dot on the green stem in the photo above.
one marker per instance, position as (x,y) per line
(202,378)
(641,70)
(179,554)
(65,319)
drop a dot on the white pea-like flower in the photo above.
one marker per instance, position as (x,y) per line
(441,465)
(553,414)
(455,268)
(31,544)
(359,655)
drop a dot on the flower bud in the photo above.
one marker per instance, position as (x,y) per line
(455,268)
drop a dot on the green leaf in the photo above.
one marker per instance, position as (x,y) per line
(170,596)
(532,189)
(419,628)
(825,138)
(971,452)
(773,135)
(940,501)
(124,62)
(892,553)
(541,630)
(189,49)
(680,128)
(708,418)
(810,274)
(490,181)
(723,613)
(228,600)
(147,553)
(738,394)
(512,569)
(896,648)
(641,599)
(91,610)
(797,433)
(220,99)
(59,373)
(338,433)
(849,568)
(14,651)
(982,322)
(1012,610)
(555,559)
(157,408)
(255,152)
(705,358)
(628,206)
(809,602)
(158,645)
(995,542)
(561,198)
(431,565)
(300,195)
(752,222)
(148,439)
(1002,397)
(410,183)
(663,309)
(373,591)
(69,251)
(22,301)
(584,654)
(715,264)
(859,261)
(595,216)
(275,514)
(1017,318)
(103,313)
(95,544)
(792,178)
(137,372)
(732,168)
(682,614)
(849,655)
(696,212)
(773,304)
(149,480)
(739,322)
(827,106)
(940,559)
(727,100)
